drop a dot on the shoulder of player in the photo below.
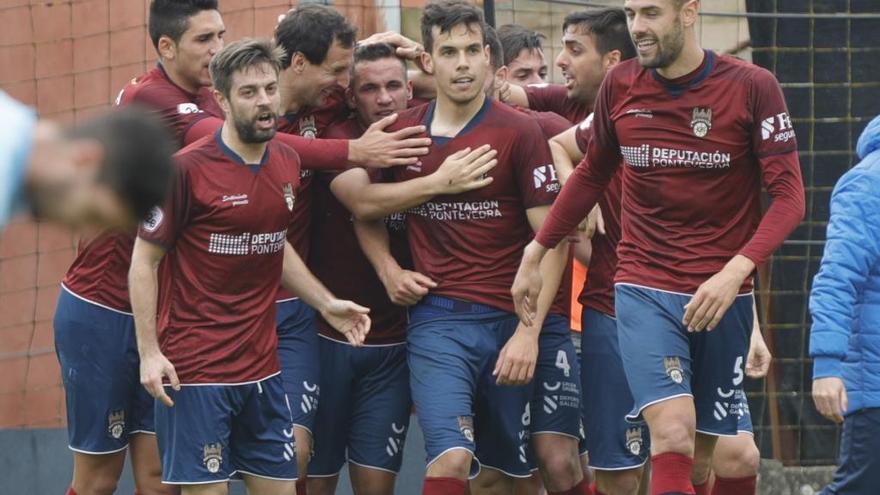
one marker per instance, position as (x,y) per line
(197,151)
(735,68)
(343,129)
(158,93)
(410,117)
(279,150)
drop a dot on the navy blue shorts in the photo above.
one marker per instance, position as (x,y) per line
(298,355)
(453,346)
(662,360)
(613,442)
(556,404)
(365,408)
(216,431)
(858,469)
(100,367)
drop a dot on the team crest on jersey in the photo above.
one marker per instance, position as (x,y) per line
(701,121)
(288,195)
(634,440)
(153,220)
(307,127)
(673,368)
(116,423)
(213,457)
(466,425)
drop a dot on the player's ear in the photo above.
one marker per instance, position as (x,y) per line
(690,11)
(167,48)
(427,63)
(502,74)
(222,101)
(298,62)
(611,59)
(349,97)
(409,90)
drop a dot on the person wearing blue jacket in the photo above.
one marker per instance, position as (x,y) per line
(845,307)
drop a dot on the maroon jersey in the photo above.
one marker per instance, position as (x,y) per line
(99,272)
(598,290)
(224,227)
(471,243)
(341,265)
(311,124)
(695,150)
(554,98)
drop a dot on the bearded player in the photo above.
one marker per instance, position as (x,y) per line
(222,235)
(689,239)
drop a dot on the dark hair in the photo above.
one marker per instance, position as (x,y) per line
(375,51)
(495,49)
(608,28)
(171,17)
(515,38)
(310,29)
(447,14)
(137,161)
(240,55)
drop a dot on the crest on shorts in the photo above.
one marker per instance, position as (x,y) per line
(673,368)
(213,457)
(466,425)
(289,198)
(116,423)
(634,440)
(701,121)
(307,127)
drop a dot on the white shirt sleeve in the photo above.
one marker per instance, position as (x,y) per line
(17,121)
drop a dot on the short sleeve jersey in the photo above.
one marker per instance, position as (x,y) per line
(471,243)
(311,124)
(554,98)
(224,227)
(338,261)
(695,150)
(100,271)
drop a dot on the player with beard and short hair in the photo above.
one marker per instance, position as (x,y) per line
(222,235)
(470,363)
(185,34)
(716,126)
(523,54)
(593,41)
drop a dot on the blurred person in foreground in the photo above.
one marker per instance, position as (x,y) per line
(92,175)
(845,307)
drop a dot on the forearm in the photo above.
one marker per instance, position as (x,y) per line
(562,161)
(297,278)
(318,154)
(378,200)
(577,198)
(143,288)
(552,266)
(373,239)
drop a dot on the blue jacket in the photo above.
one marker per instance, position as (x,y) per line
(845,300)
(17,122)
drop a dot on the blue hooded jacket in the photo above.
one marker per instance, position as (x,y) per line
(845,299)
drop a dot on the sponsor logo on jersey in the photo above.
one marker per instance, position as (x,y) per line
(235,199)
(673,368)
(458,210)
(288,195)
(544,176)
(307,127)
(247,243)
(645,155)
(778,127)
(154,219)
(466,425)
(212,456)
(187,108)
(116,423)
(701,121)
(640,112)
(634,440)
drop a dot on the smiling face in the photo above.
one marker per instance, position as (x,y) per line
(378,89)
(459,61)
(315,82)
(657,30)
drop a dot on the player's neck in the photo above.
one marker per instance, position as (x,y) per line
(251,153)
(289,102)
(178,81)
(690,58)
(451,117)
